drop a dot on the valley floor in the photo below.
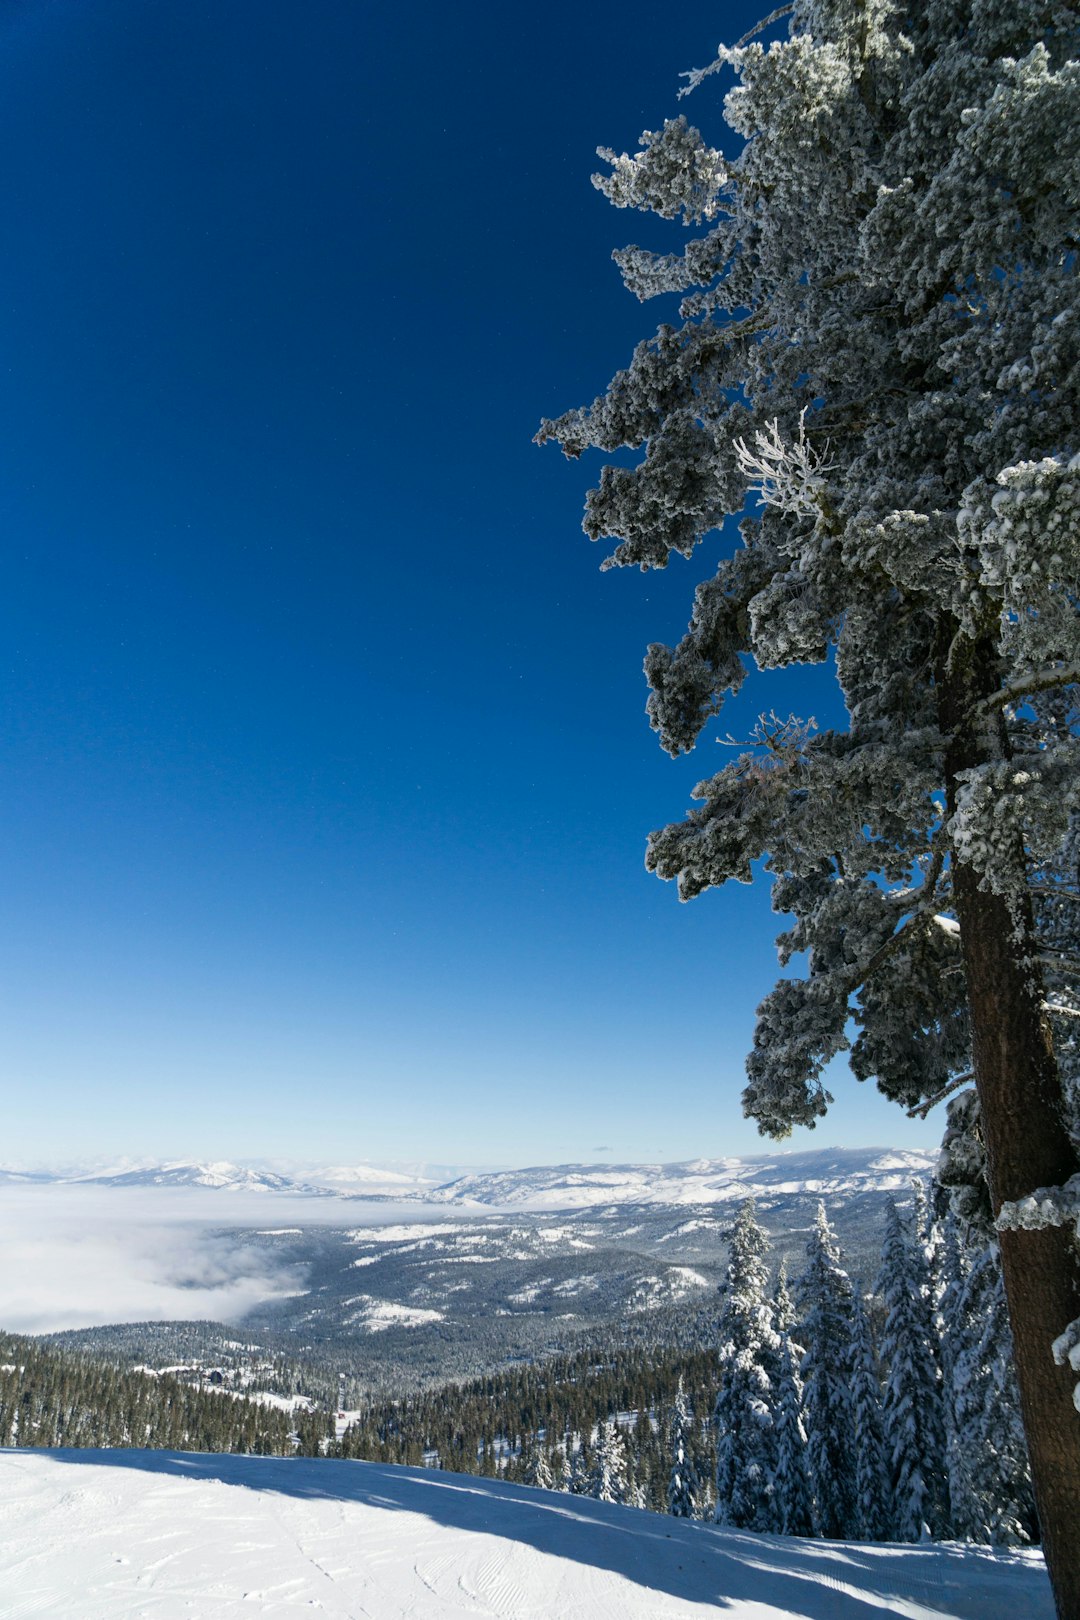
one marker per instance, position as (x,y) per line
(144,1535)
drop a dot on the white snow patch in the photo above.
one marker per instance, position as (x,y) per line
(470,1259)
(398,1234)
(115,1535)
(529,1296)
(376,1315)
(577,1285)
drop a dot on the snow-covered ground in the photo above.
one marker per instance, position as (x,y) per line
(122,1535)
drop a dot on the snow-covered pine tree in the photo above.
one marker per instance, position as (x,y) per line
(579,1466)
(990,1494)
(879,333)
(824,1296)
(952,1325)
(793,1503)
(874,1513)
(537,1469)
(998,1502)
(748,1347)
(609,1476)
(784,1313)
(912,1412)
(684,1490)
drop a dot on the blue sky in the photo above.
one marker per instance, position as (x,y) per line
(326,774)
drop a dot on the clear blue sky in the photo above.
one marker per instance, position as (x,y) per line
(326,778)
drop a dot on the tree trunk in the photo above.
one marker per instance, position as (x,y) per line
(1027,1144)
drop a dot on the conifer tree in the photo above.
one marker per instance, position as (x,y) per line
(579,1470)
(989,1478)
(824,1296)
(748,1344)
(912,1414)
(874,1513)
(784,1313)
(608,1479)
(684,1489)
(793,1499)
(988,1454)
(879,337)
(537,1469)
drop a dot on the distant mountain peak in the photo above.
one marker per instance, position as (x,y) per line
(828,1171)
(696,1181)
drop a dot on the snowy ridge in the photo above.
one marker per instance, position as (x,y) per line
(221,1175)
(357,1181)
(828,1172)
(113,1535)
(366,1178)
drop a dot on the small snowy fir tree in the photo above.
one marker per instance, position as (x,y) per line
(793,1504)
(684,1490)
(537,1470)
(824,1296)
(877,336)
(874,1513)
(912,1412)
(579,1468)
(609,1477)
(748,1347)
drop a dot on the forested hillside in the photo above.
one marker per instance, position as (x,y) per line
(51,1397)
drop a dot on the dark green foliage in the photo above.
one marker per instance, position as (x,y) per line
(51,1397)
(555,1409)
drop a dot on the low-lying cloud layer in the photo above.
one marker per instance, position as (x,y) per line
(75,1257)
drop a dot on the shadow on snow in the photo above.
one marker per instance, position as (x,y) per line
(814,1580)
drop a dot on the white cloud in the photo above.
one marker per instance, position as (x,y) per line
(74,1257)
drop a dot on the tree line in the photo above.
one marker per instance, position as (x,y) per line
(52,1397)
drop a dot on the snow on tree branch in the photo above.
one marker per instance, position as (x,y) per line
(790,477)
(674,175)
(1046,1206)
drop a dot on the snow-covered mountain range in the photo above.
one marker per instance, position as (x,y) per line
(699,1181)
(453,1278)
(353,1181)
(221,1175)
(826,1171)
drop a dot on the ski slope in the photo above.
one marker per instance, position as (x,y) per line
(144,1535)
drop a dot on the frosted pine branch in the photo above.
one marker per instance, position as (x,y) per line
(789,477)
(921,1110)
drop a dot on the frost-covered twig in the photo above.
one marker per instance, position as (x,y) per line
(697,75)
(1060,963)
(778,733)
(787,476)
